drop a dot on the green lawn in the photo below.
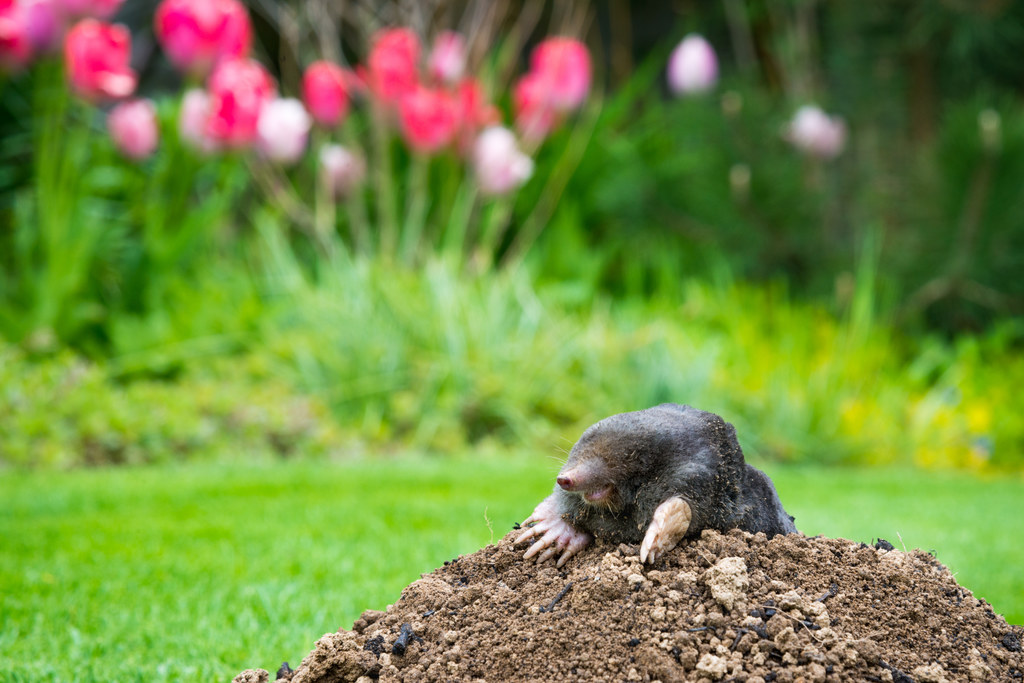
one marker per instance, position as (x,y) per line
(195,572)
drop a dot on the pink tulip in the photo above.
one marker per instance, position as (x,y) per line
(392,69)
(564,67)
(196,34)
(45,25)
(817,134)
(692,66)
(429,119)
(325,92)
(15,45)
(535,117)
(96,59)
(238,90)
(96,9)
(500,166)
(133,128)
(448,58)
(341,171)
(282,130)
(195,110)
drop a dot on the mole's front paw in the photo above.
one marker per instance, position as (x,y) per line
(554,534)
(670,523)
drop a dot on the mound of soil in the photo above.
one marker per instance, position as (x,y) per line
(734,607)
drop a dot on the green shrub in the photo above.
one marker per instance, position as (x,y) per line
(66,411)
(373,357)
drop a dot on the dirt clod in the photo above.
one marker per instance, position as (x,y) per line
(725,607)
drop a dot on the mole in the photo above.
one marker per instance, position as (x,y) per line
(653,477)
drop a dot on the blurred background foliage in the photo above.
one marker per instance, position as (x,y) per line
(865,309)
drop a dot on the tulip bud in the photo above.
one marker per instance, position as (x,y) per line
(44,25)
(15,46)
(196,34)
(448,58)
(133,128)
(564,66)
(500,166)
(429,119)
(96,56)
(392,65)
(341,171)
(325,92)
(692,66)
(238,90)
(283,130)
(814,132)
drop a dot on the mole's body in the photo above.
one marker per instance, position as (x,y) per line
(654,477)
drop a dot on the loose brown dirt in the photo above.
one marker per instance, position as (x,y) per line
(727,607)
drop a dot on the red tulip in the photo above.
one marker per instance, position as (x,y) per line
(238,90)
(475,110)
(325,91)
(15,48)
(535,117)
(133,128)
(96,57)
(392,69)
(429,119)
(196,34)
(564,66)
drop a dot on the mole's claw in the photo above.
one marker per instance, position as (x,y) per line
(535,548)
(575,543)
(527,534)
(548,553)
(670,523)
(554,535)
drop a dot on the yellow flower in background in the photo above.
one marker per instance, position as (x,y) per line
(979,417)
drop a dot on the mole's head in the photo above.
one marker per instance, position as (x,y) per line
(620,454)
(607,464)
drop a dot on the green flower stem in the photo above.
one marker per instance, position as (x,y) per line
(325,214)
(493,227)
(418,205)
(459,219)
(355,205)
(387,221)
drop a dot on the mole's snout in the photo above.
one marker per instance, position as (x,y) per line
(564,482)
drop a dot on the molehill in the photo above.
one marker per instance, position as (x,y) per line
(724,607)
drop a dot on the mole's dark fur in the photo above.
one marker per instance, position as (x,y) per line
(651,455)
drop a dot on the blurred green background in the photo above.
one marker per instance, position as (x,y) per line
(858,319)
